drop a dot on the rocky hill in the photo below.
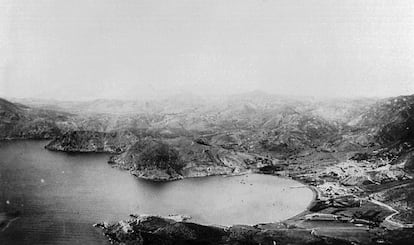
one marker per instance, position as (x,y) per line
(171,159)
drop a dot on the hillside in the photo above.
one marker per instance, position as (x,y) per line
(90,141)
(171,159)
(21,122)
(280,128)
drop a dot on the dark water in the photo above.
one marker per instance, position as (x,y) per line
(57,196)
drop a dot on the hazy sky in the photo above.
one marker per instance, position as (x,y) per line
(87,49)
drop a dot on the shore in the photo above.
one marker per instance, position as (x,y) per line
(343,223)
(318,197)
(360,226)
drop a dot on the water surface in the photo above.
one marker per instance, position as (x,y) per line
(58,196)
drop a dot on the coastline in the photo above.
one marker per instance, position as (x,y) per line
(360,229)
(297,220)
(143,227)
(301,215)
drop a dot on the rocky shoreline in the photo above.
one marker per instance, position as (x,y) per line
(365,220)
(143,229)
(339,187)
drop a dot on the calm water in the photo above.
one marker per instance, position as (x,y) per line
(59,196)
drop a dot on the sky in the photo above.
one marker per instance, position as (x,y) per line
(131,49)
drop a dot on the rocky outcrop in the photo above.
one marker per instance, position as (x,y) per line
(89,141)
(163,230)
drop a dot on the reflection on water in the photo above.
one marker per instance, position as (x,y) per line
(59,196)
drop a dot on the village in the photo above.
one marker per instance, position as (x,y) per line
(344,195)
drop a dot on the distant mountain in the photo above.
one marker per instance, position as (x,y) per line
(390,120)
(253,123)
(22,122)
(389,124)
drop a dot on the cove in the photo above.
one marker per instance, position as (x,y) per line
(58,196)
